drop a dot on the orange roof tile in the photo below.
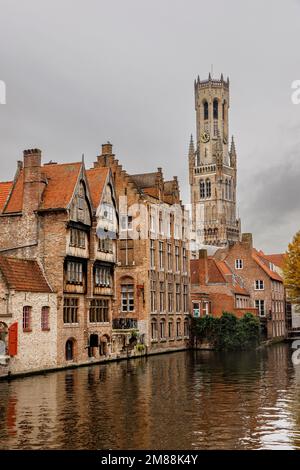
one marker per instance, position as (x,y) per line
(237,289)
(23,275)
(61,181)
(15,201)
(4,193)
(277,259)
(215,276)
(61,184)
(259,260)
(96,179)
(225,270)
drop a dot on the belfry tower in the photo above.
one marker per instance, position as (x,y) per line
(213,167)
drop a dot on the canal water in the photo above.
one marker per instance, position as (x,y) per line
(185,400)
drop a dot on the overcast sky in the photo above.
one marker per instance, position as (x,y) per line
(81,72)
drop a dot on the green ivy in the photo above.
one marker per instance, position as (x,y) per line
(228,332)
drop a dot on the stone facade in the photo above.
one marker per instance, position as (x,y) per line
(31,317)
(152,274)
(213,168)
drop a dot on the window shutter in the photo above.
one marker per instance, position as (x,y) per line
(13,339)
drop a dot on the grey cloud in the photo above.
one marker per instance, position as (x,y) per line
(79,73)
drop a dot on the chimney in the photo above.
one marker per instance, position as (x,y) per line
(247,240)
(107,149)
(32,184)
(203,267)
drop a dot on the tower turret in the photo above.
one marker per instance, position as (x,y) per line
(212,167)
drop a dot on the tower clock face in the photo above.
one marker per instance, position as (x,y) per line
(205,137)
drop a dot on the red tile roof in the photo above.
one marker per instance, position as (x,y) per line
(61,181)
(264,264)
(215,275)
(4,193)
(61,184)
(277,259)
(23,275)
(15,202)
(97,178)
(237,289)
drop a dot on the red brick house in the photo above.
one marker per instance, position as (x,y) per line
(215,289)
(65,218)
(262,281)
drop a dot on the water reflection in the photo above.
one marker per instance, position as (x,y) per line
(192,400)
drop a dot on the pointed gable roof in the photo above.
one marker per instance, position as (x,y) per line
(23,275)
(97,178)
(5,189)
(61,183)
(60,180)
(265,265)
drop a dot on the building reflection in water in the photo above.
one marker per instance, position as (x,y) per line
(187,400)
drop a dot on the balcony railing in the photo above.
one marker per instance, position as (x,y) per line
(125,324)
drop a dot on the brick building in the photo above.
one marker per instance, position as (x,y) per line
(215,289)
(261,280)
(28,318)
(152,276)
(65,218)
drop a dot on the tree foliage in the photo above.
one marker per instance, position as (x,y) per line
(291,269)
(228,332)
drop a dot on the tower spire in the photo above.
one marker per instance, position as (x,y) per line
(191,147)
(232,153)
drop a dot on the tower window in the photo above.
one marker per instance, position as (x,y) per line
(208,188)
(202,189)
(205,110)
(216,109)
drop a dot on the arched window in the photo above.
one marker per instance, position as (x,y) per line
(154,330)
(186,328)
(162,329)
(215,108)
(170,332)
(208,188)
(229,190)
(223,109)
(70,350)
(202,189)
(205,110)
(178,328)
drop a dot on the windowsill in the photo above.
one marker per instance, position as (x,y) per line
(27,330)
(171,339)
(46,329)
(163,340)
(99,323)
(178,337)
(71,325)
(154,340)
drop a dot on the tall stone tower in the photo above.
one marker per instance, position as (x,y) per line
(213,167)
